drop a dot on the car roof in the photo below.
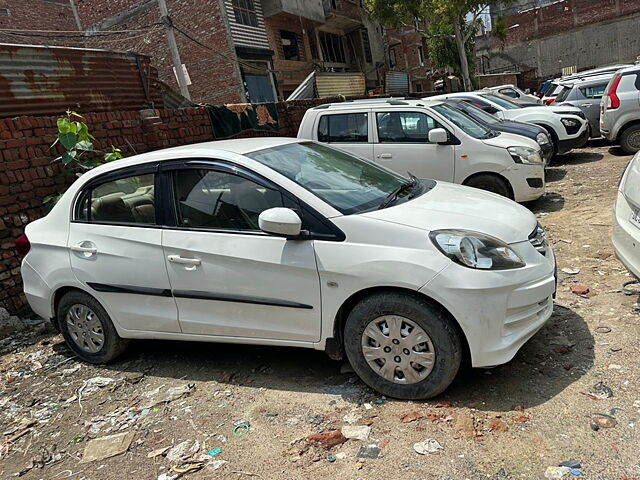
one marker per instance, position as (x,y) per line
(506,85)
(379,102)
(630,69)
(240,146)
(580,81)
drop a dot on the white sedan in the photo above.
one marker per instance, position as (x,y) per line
(626,218)
(289,242)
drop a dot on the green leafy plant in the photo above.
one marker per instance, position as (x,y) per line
(79,152)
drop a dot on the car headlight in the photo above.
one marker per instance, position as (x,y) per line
(542,139)
(570,122)
(476,250)
(524,155)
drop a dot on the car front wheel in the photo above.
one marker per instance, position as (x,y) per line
(87,328)
(402,346)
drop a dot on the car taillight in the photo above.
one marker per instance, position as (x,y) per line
(23,245)
(549,101)
(613,101)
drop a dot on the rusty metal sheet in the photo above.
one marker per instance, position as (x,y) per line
(334,84)
(43,80)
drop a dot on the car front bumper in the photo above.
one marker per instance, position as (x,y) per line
(527,181)
(626,236)
(575,142)
(498,311)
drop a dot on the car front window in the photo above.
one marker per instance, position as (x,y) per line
(464,122)
(347,183)
(478,113)
(503,102)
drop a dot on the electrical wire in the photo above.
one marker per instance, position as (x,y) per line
(144,27)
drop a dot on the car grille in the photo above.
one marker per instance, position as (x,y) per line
(538,239)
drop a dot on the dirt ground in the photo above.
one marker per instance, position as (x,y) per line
(510,422)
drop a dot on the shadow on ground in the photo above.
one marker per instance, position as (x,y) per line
(577,157)
(555,358)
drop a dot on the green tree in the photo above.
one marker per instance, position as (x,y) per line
(460,15)
(443,50)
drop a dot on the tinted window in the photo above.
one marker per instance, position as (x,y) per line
(404,127)
(593,91)
(476,113)
(344,128)
(347,183)
(508,92)
(482,104)
(212,199)
(126,200)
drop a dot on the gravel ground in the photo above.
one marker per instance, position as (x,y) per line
(572,392)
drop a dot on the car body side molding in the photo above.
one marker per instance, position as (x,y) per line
(223,297)
(103,287)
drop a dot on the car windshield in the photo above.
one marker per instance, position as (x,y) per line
(564,93)
(503,102)
(478,113)
(347,183)
(463,121)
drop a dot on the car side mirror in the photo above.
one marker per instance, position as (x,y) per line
(438,135)
(280,221)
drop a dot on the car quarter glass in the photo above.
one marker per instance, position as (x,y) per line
(344,128)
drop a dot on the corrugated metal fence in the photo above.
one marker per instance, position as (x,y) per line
(40,80)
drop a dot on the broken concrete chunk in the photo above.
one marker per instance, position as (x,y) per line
(106,447)
(356,432)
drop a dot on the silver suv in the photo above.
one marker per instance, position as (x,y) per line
(620,109)
(585,93)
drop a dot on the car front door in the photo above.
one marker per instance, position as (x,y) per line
(589,102)
(402,144)
(229,278)
(115,246)
(347,131)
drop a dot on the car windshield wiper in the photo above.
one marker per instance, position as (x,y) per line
(403,187)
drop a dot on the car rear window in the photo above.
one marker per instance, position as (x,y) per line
(564,93)
(344,128)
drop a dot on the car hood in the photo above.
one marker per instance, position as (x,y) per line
(519,128)
(506,140)
(450,206)
(631,186)
(554,108)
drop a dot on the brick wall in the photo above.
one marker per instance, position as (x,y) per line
(37,15)
(27,174)
(405,42)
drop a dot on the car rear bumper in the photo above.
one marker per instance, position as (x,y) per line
(498,311)
(626,236)
(36,291)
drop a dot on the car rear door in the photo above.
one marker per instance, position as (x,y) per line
(115,246)
(588,101)
(229,278)
(402,144)
(350,131)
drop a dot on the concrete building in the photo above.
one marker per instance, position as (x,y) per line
(543,37)
(322,36)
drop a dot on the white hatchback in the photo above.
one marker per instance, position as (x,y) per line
(626,218)
(287,242)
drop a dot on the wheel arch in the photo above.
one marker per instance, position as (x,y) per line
(493,174)
(626,126)
(335,345)
(552,131)
(61,292)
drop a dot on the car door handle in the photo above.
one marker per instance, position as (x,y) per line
(385,155)
(586,105)
(194,262)
(87,251)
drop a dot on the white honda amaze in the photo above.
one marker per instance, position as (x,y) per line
(289,242)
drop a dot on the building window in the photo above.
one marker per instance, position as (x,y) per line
(366,45)
(332,48)
(421,55)
(4,12)
(245,12)
(291,43)
(417,87)
(392,58)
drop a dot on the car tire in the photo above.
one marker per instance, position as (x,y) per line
(100,342)
(490,183)
(630,139)
(444,343)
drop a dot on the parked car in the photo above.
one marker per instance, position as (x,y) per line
(626,218)
(620,109)
(553,88)
(585,93)
(566,125)
(551,92)
(430,140)
(529,130)
(278,241)
(516,95)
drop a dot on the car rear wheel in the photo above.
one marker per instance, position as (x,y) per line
(630,139)
(402,346)
(490,183)
(87,328)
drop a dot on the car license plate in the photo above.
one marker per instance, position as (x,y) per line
(635,217)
